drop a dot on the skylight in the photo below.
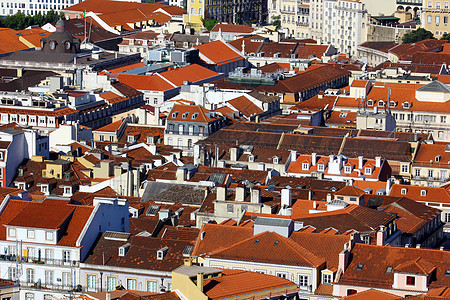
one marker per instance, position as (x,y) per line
(359,267)
(389,270)
(276,243)
(447,273)
(256,241)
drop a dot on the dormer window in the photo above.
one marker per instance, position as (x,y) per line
(381,103)
(275,159)
(391,103)
(410,280)
(49,235)
(305,166)
(174,114)
(343,115)
(194,116)
(185,115)
(437,158)
(406,105)
(321,167)
(327,278)
(347,169)
(30,234)
(44,189)
(123,249)
(403,191)
(423,192)
(130,139)
(150,140)
(251,158)
(161,253)
(11,232)
(369,102)
(368,171)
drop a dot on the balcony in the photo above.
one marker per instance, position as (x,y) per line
(41,261)
(431,179)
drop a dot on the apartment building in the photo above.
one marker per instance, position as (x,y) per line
(187,124)
(344,24)
(33,7)
(430,165)
(44,243)
(434,17)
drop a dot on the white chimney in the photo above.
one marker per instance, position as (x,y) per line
(380,236)
(286,197)
(329,197)
(331,158)
(255,196)
(240,193)
(293,155)
(360,162)
(378,161)
(233,154)
(313,159)
(221,193)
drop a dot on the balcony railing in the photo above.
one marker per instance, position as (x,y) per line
(425,178)
(46,261)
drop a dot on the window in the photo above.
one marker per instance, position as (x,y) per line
(303,281)
(281,274)
(230,208)
(446,4)
(66,279)
(48,297)
(305,166)
(91,282)
(189,144)
(180,143)
(327,278)
(438,4)
(430,174)
(405,168)
(30,234)
(429,19)
(152,286)
(49,235)
(48,277)
(111,283)
(403,191)
(437,20)
(321,167)
(347,169)
(417,173)
(351,292)
(410,280)
(131,284)
(30,275)
(169,286)
(170,141)
(66,256)
(444,118)
(381,103)
(366,239)
(12,273)
(12,232)
(111,138)
(368,171)
(423,192)
(430,4)
(48,254)
(102,138)
(29,296)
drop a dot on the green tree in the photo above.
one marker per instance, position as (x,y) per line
(276,21)
(209,23)
(417,35)
(20,21)
(446,36)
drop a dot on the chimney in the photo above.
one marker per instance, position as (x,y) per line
(240,193)
(286,197)
(380,236)
(329,197)
(293,155)
(181,174)
(255,196)
(331,158)
(343,259)
(187,262)
(152,149)
(233,154)
(200,281)
(360,162)
(313,158)
(310,194)
(221,193)
(378,161)
(108,296)
(418,246)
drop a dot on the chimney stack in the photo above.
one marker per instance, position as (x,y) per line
(293,155)
(200,281)
(360,162)
(313,159)
(378,161)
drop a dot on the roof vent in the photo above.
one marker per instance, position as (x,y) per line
(161,253)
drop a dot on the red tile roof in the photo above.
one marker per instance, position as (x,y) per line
(232,28)
(219,53)
(193,73)
(145,82)
(235,283)
(245,106)
(192,113)
(406,51)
